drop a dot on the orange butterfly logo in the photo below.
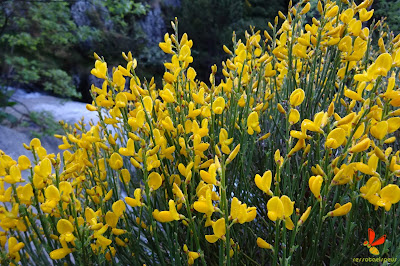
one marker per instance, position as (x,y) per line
(370,243)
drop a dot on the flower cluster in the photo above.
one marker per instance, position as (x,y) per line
(178,164)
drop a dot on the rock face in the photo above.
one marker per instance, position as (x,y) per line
(81,9)
(11,141)
(172,3)
(153,25)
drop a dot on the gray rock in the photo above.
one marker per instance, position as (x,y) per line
(153,25)
(81,9)
(11,141)
(172,3)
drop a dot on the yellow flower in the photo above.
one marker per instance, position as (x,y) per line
(169,77)
(167,95)
(100,239)
(60,253)
(224,141)
(178,192)
(137,201)
(166,46)
(365,15)
(262,243)
(332,12)
(66,229)
(185,55)
(281,209)
(390,195)
(14,247)
(275,209)
(125,176)
(148,104)
(111,219)
(52,198)
(341,210)
(219,230)
(24,162)
(301,143)
(278,158)
(345,44)
(115,161)
(241,212)
(311,126)
(99,70)
(14,176)
(191,74)
(361,146)
(186,171)
(192,255)
(199,97)
(381,66)
(65,189)
(294,116)
(167,216)
(204,204)
(379,130)
(315,183)
(370,190)
(233,154)
(344,175)
(119,208)
(5,194)
(304,217)
(152,162)
(253,123)
(218,105)
(393,124)
(154,181)
(264,182)
(25,194)
(118,79)
(300,50)
(193,113)
(297,97)
(210,176)
(281,109)
(347,15)
(335,138)
(353,95)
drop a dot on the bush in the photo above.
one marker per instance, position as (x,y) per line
(34,38)
(290,159)
(45,43)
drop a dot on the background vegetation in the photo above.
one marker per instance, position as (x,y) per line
(48,45)
(297,108)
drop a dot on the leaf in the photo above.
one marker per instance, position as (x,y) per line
(11,104)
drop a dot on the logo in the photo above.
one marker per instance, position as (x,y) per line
(371,242)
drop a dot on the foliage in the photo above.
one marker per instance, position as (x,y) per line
(218,19)
(43,47)
(389,9)
(289,159)
(44,124)
(33,31)
(5,102)
(122,11)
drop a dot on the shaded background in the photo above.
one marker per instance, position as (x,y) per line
(47,45)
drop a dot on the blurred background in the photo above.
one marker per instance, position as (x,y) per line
(46,50)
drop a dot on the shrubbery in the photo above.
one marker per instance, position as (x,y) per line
(290,159)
